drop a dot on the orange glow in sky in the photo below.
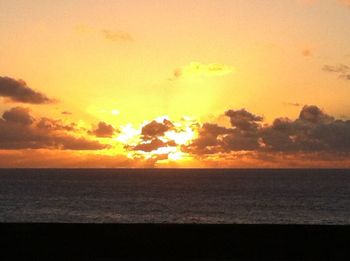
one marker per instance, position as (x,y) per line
(136,83)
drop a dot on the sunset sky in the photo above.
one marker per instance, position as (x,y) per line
(175,83)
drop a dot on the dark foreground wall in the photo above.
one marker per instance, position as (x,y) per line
(173,242)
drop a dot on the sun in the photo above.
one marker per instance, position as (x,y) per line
(163,146)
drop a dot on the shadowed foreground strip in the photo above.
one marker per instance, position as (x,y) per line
(174,242)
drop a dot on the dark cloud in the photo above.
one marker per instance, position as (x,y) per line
(241,141)
(210,139)
(278,136)
(213,139)
(156,129)
(151,134)
(244,135)
(314,115)
(54,125)
(117,36)
(18,115)
(19,130)
(342,70)
(103,130)
(314,131)
(18,91)
(243,120)
(66,113)
(152,145)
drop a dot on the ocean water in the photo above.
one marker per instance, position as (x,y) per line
(175,196)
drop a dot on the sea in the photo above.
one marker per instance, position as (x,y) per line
(219,196)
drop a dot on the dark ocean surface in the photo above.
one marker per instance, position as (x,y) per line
(175,196)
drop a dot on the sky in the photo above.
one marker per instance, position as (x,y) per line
(185,83)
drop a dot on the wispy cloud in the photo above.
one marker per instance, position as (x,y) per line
(107,34)
(342,70)
(197,69)
(295,104)
(117,36)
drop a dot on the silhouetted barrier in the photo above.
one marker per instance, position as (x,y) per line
(174,242)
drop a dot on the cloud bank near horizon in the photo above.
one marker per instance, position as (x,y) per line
(315,138)
(20,130)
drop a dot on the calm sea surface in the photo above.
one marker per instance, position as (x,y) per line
(175,196)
